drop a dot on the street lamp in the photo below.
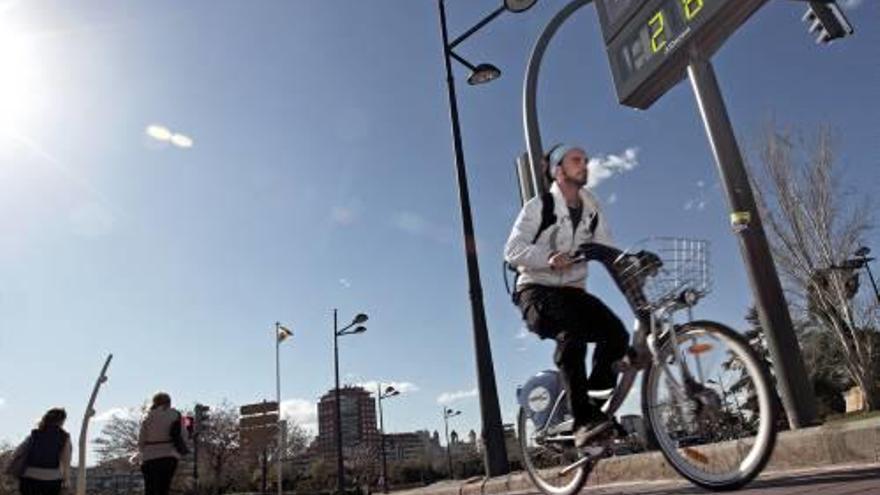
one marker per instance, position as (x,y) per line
(496,455)
(448,413)
(339,332)
(389,392)
(860,260)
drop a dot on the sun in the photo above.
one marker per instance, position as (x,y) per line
(18,77)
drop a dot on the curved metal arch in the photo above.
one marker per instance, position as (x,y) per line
(530,90)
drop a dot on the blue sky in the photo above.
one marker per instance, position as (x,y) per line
(320,175)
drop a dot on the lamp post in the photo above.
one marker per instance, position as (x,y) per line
(339,332)
(281,333)
(860,260)
(448,413)
(493,433)
(389,392)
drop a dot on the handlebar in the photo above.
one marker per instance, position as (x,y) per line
(629,271)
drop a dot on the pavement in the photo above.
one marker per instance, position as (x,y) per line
(858,479)
(844,453)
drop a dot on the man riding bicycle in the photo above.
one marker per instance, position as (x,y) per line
(550,290)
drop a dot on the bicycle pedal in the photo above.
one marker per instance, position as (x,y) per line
(594,451)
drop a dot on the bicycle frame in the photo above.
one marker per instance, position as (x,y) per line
(650,333)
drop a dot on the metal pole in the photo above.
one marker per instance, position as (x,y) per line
(873,283)
(264,470)
(530,91)
(788,365)
(448,446)
(196,455)
(382,441)
(280,449)
(495,457)
(83,432)
(340,469)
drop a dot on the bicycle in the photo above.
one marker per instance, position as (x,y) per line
(717,437)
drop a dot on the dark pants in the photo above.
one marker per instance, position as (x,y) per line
(574,318)
(29,486)
(158,474)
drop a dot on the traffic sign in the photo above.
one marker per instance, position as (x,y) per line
(259,438)
(259,408)
(258,421)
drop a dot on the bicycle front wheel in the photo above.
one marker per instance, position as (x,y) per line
(709,406)
(546,456)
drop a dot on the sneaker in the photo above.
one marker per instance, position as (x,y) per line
(592,431)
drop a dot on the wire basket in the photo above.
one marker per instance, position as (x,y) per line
(680,265)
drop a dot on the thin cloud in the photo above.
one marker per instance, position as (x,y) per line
(605,167)
(851,4)
(2,402)
(342,215)
(345,283)
(699,200)
(415,224)
(449,397)
(116,412)
(301,412)
(163,134)
(612,198)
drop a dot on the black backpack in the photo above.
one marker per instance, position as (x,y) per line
(548,218)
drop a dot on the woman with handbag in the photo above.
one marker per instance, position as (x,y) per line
(160,445)
(42,461)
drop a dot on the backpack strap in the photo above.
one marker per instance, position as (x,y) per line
(548,214)
(594,223)
(548,218)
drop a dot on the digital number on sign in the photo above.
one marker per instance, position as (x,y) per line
(671,21)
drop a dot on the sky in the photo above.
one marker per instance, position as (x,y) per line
(175,177)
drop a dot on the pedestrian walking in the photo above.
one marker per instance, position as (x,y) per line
(42,461)
(160,445)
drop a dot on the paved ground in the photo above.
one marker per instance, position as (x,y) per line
(839,480)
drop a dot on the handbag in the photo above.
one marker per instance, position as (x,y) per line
(18,463)
(177,437)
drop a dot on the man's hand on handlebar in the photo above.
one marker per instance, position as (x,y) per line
(560,261)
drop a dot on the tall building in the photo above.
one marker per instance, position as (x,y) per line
(358,418)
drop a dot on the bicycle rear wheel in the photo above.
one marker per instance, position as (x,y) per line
(709,406)
(545,456)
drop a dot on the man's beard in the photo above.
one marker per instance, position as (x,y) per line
(575,181)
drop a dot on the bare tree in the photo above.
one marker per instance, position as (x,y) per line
(8,484)
(220,448)
(296,440)
(118,438)
(814,226)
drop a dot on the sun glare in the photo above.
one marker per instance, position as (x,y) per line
(18,78)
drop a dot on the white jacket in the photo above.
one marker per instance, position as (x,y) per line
(154,440)
(532,260)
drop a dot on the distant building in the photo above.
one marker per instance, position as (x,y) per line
(511,443)
(358,418)
(112,479)
(418,446)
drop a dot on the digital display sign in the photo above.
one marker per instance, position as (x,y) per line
(649,43)
(613,13)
